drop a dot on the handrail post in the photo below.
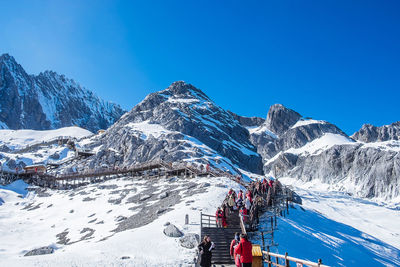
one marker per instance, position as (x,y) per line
(269,258)
(319,262)
(287,263)
(201,224)
(287,205)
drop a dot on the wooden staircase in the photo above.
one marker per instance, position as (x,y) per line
(221,237)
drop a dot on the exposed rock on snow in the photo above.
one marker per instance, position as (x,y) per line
(40,251)
(163,195)
(205,185)
(172,231)
(189,241)
(144,197)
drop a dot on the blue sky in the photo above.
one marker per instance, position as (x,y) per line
(332,60)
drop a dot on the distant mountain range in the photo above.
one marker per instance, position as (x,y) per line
(181,123)
(49,101)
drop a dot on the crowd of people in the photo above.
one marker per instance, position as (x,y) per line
(247,204)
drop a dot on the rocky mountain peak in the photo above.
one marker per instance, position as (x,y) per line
(6,58)
(191,124)
(48,101)
(280,118)
(9,65)
(370,133)
(181,89)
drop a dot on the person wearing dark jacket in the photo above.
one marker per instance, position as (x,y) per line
(205,248)
(244,249)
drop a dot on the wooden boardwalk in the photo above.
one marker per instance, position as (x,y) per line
(151,169)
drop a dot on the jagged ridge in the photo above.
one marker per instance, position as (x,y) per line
(49,101)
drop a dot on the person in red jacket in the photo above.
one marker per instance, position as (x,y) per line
(219,214)
(244,249)
(235,242)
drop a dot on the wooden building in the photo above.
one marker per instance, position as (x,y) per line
(38,168)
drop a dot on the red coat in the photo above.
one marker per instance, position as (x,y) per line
(244,249)
(219,214)
(271,183)
(233,244)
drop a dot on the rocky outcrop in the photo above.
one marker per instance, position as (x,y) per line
(280,118)
(190,240)
(369,133)
(285,129)
(49,101)
(172,231)
(248,121)
(40,251)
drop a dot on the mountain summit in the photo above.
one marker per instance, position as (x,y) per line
(49,101)
(175,124)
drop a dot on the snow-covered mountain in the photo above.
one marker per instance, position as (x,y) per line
(121,221)
(49,101)
(308,149)
(179,123)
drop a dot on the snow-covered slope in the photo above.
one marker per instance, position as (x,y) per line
(99,224)
(49,101)
(19,148)
(120,223)
(340,229)
(17,139)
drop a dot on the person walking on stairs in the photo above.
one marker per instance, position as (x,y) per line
(234,244)
(219,216)
(205,248)
(244,249)
(231,203)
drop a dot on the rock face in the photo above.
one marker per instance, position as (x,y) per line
(40,251)
(172,231)
(285,129)
(49,101)
(189,240)
(178,123)
(369,133)
(280,118)
(309,149)
(248,121)
(372,172)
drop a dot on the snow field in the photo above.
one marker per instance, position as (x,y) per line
(146,245)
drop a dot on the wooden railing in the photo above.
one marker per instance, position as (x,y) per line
(242,226)
(267,256)
(207,220)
